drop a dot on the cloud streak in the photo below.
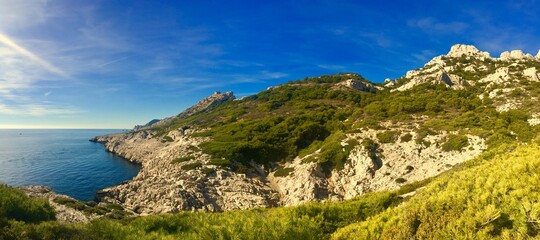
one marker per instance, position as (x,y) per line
(36,110)
(113,61)
(46,65)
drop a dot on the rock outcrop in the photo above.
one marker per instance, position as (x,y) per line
(460,50)
(500,76)
(514,54)
(165,186)
(437,76)
(356,85)
(208,103)
(531,74)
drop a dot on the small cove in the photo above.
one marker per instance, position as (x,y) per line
(64,160)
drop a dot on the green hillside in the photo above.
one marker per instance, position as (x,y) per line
(300,117)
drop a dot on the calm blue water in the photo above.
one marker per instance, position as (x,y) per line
(62,159)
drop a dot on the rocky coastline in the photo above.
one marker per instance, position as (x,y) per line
(166,185)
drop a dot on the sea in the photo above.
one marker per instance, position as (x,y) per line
(64,160)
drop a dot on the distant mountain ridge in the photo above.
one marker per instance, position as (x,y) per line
(152,122)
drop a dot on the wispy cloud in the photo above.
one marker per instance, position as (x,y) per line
(16,14)
(434,26)
(36,110)
(113,61)
(46,65)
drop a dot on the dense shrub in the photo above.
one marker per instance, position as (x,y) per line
(283,172)
(388,136)
(455,143)
(406,138)
(15,205)
(191,166)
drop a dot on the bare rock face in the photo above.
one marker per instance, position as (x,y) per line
(532,74)
(165,186)
(514,54)
(63,213)
(538,55)
(460,50)
(208,103)
(356,85)
(451,80)
(500,76)
(306,183)
(391,166)
(438,75)
(397,163)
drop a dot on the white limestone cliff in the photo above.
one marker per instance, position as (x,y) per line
(459,50)
(531,74)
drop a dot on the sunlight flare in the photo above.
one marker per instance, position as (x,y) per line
(46,65)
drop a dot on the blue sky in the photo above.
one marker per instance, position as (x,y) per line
(114,64)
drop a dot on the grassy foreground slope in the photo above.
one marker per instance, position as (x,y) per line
(496,195)
(497,199)
(310,221)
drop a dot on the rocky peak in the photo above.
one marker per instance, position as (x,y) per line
(356,85)
(208,103)
(538,54)
(515,54)
(459,50)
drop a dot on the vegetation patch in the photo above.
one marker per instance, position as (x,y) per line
(191,166)
(401,180)
(388,136)
(208,171)
(167,139)
(332,154)
(72,203)
(406,138)
(220,162)
(283,172)
(455,143)
(16,206)
(91,207)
